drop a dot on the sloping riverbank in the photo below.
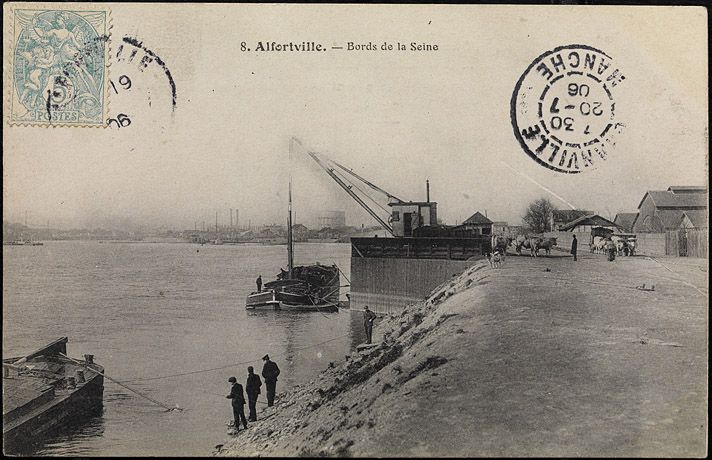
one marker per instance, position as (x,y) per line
(542,357)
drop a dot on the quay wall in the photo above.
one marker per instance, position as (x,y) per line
(388,284)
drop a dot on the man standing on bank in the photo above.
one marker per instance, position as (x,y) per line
(238,403)
(270,371)
(259,283)
(574,246)
(368,318)
(252,388)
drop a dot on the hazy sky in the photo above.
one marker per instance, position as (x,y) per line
(397,118)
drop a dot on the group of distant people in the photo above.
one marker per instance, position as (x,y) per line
(270,372)
(609,246)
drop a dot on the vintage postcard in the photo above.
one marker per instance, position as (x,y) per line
(355,230)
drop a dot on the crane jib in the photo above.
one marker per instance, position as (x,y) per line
(337,179)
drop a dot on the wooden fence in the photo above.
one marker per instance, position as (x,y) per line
(687,243)
(681,243)
(651,244)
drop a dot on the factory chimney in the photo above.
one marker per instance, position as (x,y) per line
(427,190)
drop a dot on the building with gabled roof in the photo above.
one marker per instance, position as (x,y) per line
(561,217)
(694,220)
(678,189)
(477,218)
(662,210)
(625,220)
(587,223)
(478,223)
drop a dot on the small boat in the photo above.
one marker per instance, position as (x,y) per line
(46,391)
(301,288)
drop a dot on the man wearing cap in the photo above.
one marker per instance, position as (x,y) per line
(270,371)
(252,388)
(238,403)
(368,318)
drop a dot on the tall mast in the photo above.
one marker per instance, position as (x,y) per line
(290,249)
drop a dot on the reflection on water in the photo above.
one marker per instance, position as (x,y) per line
(71,440)
(156,309)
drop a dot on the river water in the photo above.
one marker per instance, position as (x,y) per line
(148,310)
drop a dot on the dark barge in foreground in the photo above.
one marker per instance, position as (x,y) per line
(45,391)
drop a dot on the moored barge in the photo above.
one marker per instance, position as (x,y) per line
(309,288)
(46,391)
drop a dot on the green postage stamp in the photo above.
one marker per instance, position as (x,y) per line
(59,62)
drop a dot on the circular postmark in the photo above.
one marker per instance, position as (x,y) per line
(563,108)
(141,85)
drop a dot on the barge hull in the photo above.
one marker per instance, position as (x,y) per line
(387,285)
(64,411)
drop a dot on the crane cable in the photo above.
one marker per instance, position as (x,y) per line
(343,177)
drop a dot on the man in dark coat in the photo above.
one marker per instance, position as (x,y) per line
(611,248)
(238,403)
(574,246)
(252,388)
(270,371)
(368,318)
(259,283)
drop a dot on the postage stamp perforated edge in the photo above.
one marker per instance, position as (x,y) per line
(9,34)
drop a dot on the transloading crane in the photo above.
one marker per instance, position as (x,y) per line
(330,170)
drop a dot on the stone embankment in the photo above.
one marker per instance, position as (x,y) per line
(542,357)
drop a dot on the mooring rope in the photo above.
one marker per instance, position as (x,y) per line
(342,273)
(124,385)
(200,371)
(317,307)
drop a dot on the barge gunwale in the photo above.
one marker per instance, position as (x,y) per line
(30,419)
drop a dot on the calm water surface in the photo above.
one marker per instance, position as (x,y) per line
(154,309)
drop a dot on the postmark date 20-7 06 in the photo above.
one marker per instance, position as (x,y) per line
(563,108)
